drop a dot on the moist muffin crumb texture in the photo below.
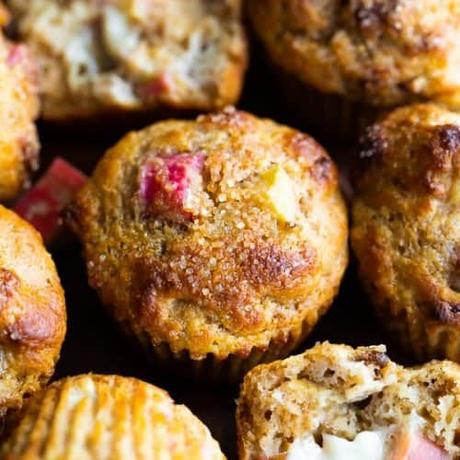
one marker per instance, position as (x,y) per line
(334,394)
(99,58)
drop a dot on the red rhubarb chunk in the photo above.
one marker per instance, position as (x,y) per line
(414,446)
(16,54)
(42,204)
(155,87)
(171,186)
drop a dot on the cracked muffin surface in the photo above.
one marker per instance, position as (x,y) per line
(406,232)
(102,57)
(32,311)
(335,401)
(218,236)
(107,417)
(382,53)
(19,144)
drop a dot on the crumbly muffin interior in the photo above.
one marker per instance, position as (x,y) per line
(135,54)
(337,390)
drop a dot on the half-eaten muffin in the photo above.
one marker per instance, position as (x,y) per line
(336,402)
(107,57)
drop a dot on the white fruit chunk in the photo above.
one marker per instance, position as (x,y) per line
(279,192)
(368,445)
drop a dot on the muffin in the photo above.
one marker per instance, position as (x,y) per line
(107,417)
(334,401)
(348,61)
(32,311)
(218,242)
(18,108)
(406,232)
(102,58)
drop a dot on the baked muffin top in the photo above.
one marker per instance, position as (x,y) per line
(406,214)
(107,417)
(383,53)
(18,109)
(32,311)
(96,57)
(214,235)
(337,394)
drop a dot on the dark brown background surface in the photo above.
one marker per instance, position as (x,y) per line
(93,342)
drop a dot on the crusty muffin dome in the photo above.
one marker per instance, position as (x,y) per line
(99,57)
(216,235)
(384,53)
(18,109)
(107,417)
(341,391)
(406,231)
(32,311)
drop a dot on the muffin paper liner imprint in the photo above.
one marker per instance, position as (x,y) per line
(426,339)
(328,114)
(230,369)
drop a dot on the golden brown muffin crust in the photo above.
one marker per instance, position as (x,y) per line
(18,109)
(103,57)
(406,212)
(234,275)
(32,310)
(107,417)
(384,53)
